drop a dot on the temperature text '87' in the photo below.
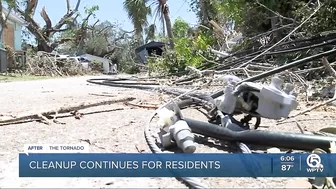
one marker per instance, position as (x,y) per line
(286,167)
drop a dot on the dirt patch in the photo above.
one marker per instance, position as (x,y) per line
(115,131)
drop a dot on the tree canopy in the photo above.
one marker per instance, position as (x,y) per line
(261,23)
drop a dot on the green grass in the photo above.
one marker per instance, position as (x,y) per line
(18,77)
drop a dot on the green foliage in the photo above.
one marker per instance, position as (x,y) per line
(180,28)
(137,12)
(190,50)
(159,65)
(150,32)
(324,19)
(252,18)
(97,66)
(206,10)
(233,9)
(10,3)
(125,56)
(131,69)
(91,10)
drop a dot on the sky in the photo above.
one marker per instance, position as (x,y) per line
(110,10)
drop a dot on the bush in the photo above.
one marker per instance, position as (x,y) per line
(190,50)
(97,66)
(131,69)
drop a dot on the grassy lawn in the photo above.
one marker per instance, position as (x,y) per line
(25,77)
(18,77)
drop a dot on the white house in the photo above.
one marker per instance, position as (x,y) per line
(11,36)
(108,67)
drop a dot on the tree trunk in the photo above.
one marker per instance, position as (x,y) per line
(43,35)
(204,13)
(163,28)
(42,45)
(169,29)
(4,20)
(274,21)
(275,25)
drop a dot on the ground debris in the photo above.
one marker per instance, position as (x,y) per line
(46,64)
(142,105)
(299,183)
(65,109)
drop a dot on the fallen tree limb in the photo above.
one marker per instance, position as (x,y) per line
(314,107)
(43,115)
(62,116)
(94,112)
(101,95)
(141,105)
(327,65)
(331,70)
(333,73)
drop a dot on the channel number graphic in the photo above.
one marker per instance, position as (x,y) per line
(314,163)
(287,162)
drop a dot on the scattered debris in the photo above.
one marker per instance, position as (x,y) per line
(140,148)
(74,108)
(140,105)
(85,140)
(106,95)
(109,183)
(47,91)
(46,64)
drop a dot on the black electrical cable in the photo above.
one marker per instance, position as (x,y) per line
(247,57)
(296,63)
(288,50)
(250,52)
(197,99)
(116,83)
(264,138)
(310,46)
(188,102)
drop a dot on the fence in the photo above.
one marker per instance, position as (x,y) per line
(3,60)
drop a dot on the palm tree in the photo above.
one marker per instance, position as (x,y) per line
(150,32)
(162,11)
(137,12)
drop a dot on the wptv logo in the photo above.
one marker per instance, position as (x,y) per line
(314,163)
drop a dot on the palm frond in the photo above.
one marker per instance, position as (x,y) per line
(137,12)
(150,32)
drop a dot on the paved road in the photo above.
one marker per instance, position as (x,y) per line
(115,131)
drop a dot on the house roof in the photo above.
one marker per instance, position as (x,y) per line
(90,56)
(12,17)
(151,44)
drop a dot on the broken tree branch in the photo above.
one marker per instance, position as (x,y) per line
(276,13)
(105,95)
(68,6)
(330,69)
(313,107)
(31,7)
(154,107)
(39,116)
(3,21)
(218,29)
(47,20)
(333,72)
(328,66)
(63,20)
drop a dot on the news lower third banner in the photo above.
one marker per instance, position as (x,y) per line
(176,165)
